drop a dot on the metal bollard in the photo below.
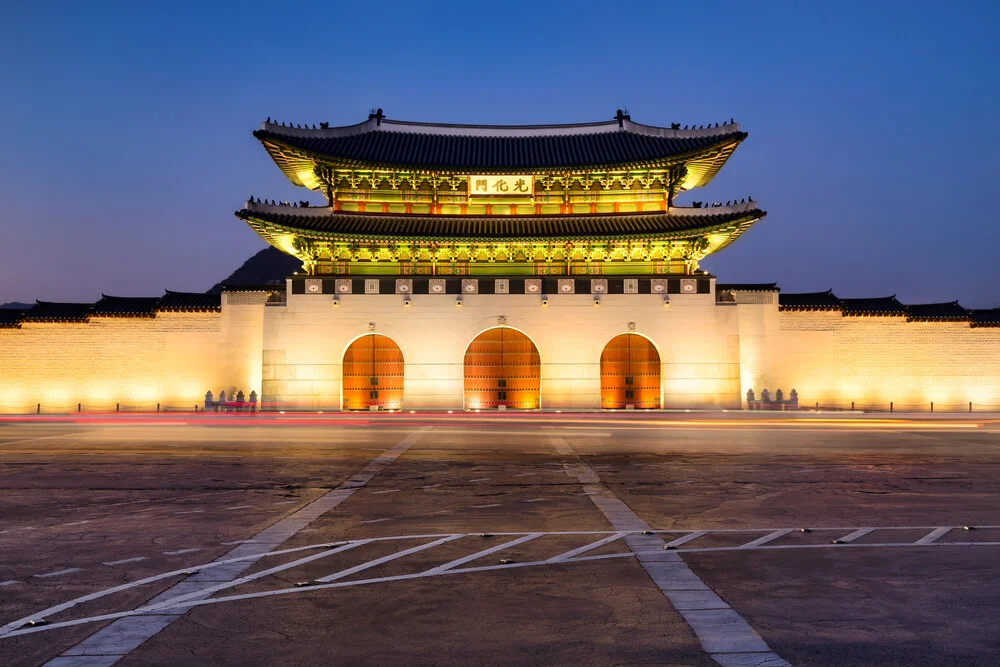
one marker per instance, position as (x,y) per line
(38,409)
(79,407)
(890,406)
(117,406)
(970,406)
(157,407)
(932,406)
(852,406)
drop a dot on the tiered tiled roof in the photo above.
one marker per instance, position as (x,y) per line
(809,301)
(926,312)
(189,302)
(322,221)
(47,311)
(10,318)
(747,287)
(985,318)
(384,143)
(122,306)
(886,305)
(950,311)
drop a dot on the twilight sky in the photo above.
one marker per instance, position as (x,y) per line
(125,131)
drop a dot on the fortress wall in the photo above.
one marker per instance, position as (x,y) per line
(833,360)
(171,359)
(305,340)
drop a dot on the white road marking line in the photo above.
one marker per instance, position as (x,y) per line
(190,512)
(686,538)
(286,502)
(479,554)
(430,486)
(479,479)
(9,582)
(376,520)
(126,634)
(57,573)
(683,598)
(850,537)
(536,500)
(721,631)
(239,507)
(525,474)
(481,507)
(75,523)
(257,575)
(587,547)
(385,559)
(767,538)
(179,552)
(124,560)
(379,493)
(930,537)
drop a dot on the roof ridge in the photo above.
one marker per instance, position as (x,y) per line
(626,124)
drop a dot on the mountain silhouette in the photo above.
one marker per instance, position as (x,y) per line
(268,267)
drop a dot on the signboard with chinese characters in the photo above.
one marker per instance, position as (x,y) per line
(501,186)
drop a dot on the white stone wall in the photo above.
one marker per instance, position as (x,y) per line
(304,344)
(834,360)
(292,354)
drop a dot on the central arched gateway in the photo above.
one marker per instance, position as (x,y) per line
(373,374)
(502,368)
(630,373)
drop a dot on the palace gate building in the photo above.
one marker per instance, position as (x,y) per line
(500,267)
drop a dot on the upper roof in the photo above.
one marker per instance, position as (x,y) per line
(322,222)
(383,143)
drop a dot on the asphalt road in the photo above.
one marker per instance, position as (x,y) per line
(498,540)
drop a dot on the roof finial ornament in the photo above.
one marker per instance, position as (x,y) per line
(324,126)
(621,116)
(377,115)
(268,120)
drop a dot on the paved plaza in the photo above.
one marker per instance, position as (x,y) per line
(466,539)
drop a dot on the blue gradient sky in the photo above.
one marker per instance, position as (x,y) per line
(126,145)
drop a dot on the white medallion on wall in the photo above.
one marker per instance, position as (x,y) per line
(404,286)
(470,286)
(599,286)
(532,286)
(658,285)
(689,286)
(314,286)
(343,286)
(566,286)
(436,286)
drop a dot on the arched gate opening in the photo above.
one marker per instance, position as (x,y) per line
(502,368)
(630,373)
(373,374)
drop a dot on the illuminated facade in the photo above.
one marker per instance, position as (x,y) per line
(485,267)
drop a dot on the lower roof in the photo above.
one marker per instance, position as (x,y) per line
(335,225)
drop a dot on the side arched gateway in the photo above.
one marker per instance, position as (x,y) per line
(630,373)
(373,374)
(502,368)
